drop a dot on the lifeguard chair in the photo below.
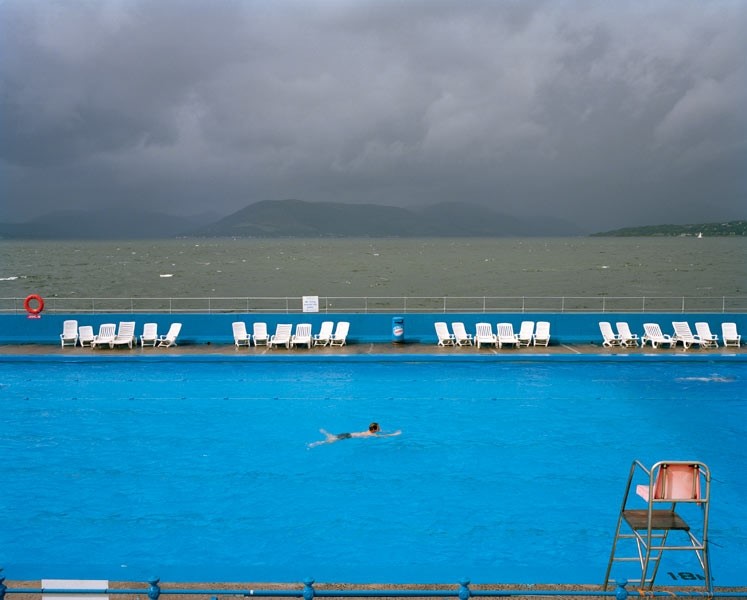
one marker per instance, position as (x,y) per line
(668,484)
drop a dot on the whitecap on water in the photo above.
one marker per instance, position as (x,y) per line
(166,275)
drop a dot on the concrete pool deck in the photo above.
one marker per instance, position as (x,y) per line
(363,348)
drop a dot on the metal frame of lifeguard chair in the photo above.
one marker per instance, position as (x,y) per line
(650,527)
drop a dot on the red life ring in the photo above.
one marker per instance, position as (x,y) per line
(33,310)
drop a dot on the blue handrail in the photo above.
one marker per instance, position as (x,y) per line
(309,592)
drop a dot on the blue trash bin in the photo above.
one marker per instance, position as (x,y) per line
(398,330)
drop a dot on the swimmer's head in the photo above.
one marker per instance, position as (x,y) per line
(374,428)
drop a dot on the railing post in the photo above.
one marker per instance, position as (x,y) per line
(464,591)
(3,587)
(308,589)
(620,592)
(154,591)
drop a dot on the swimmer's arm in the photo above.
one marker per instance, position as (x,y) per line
(364,434)
(392,434)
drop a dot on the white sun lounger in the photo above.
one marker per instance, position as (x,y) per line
(461,337)
(69,335)
(542,334)
(653,335)
(302,336)
(281,337)
(240,335)
(626,337)
(325,333)
(260,336)
(340,336)
(442,333)
(105,336)
(609,337)
(125,334)
(526,331)
(85,336)
(168,340)
(729,335)
(506,335)
(684,335)
(707,339)
(149,337)
(484,335)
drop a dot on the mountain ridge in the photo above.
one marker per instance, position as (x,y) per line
(292,218)
(98,225)
(299,218)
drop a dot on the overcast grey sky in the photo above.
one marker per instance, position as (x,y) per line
(607,113)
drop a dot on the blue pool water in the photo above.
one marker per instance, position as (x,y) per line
(506,471)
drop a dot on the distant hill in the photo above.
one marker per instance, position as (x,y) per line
(276,218)
(291,218)
(101,224)
(731,228)
(298,218)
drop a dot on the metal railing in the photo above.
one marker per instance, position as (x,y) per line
(309,592)
(391,304)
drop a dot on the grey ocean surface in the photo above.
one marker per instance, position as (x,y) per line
(351,267)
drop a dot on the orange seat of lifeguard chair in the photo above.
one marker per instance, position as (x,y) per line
(677,482)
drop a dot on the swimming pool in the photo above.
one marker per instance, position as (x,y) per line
(197,468)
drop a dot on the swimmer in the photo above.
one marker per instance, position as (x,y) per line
(373,431)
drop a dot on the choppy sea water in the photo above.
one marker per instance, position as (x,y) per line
(376,267)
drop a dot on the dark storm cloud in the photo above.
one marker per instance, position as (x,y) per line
(609,113)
